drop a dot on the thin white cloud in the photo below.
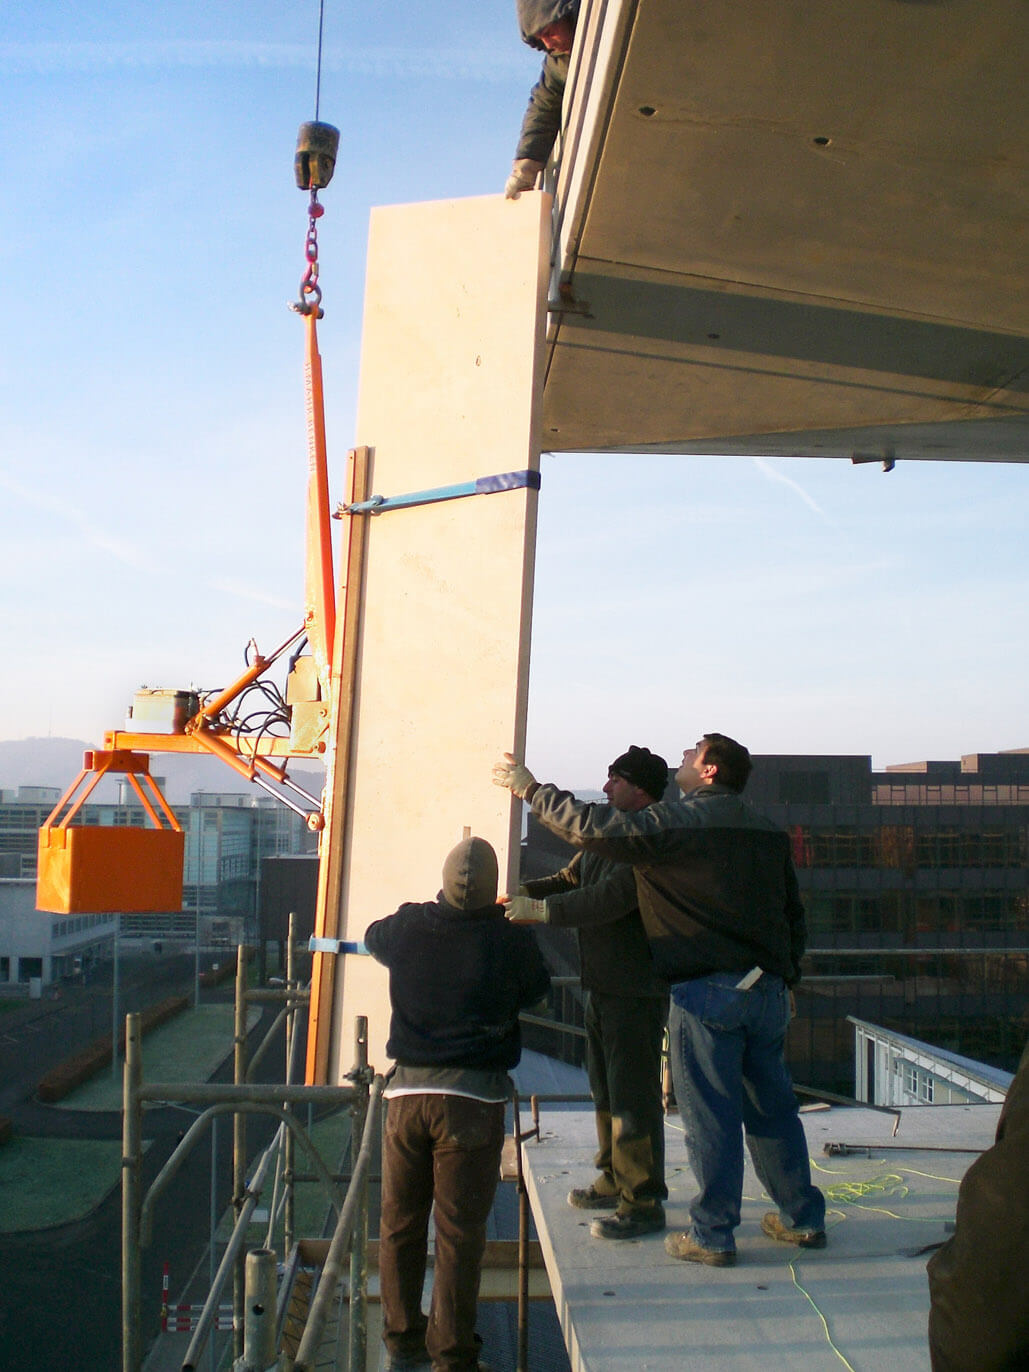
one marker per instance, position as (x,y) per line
(484,65)
(245,590)
(59,510)
(772,473)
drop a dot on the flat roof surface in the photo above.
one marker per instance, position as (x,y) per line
(863,1301)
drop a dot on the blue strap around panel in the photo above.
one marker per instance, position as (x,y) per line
(483,485)
(335,945)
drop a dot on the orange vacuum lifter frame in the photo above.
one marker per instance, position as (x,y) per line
(95,869)
(127,852)
(101,869)
(202,732)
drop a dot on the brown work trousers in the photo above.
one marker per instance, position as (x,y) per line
(624,1039)
(441,1154)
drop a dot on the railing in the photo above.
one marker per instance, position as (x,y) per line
(257,1319)
(244,1097)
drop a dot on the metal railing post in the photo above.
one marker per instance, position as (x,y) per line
(332,1267)
(357,1328)
(288,1152)
(259,1333)
(239,1146)
(131,1184)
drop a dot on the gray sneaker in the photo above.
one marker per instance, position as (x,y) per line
(773,1226)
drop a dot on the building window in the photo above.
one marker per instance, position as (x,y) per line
(916,1081)
(804,788)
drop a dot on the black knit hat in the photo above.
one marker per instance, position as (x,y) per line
(644,769)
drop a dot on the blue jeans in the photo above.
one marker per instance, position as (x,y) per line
(726,1050)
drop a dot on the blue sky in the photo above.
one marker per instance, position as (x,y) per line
(152,442)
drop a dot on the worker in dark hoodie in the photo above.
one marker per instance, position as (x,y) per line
(459,973)
(550,26)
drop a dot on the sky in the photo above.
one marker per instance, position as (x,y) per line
(153,447)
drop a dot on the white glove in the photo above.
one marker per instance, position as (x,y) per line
(514,775)
(525,910)
(524,172)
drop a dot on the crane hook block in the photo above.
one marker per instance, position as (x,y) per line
(315,159)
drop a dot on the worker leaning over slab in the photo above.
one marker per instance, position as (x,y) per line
(625,1011)
(550,26)
(720,904)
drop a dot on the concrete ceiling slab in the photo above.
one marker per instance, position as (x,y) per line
(807,218)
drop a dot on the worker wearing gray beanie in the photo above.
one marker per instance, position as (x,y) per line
(459,973)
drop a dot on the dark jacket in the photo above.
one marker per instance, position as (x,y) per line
(979,1279)
(715,880)
(542,121)
(597,897)
(457,980)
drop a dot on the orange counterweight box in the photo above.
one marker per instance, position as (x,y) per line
(102,869)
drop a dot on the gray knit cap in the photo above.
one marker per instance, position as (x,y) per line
(470,875)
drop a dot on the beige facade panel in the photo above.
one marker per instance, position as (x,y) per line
(449,392)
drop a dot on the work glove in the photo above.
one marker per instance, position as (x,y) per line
(514,775)
(525,910)
(524,172)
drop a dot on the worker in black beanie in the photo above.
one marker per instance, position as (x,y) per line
(644,769)
(625,1012)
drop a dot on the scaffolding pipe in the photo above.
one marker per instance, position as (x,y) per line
(284,1171)
(292,1045)
(332,1271)
(357,1326)
(267,1042)
(228,1262)
(259,1332)
(191,1137)
(131,1184)
(239,1145)
(253,1093)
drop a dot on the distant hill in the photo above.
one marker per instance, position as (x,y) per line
(57,762)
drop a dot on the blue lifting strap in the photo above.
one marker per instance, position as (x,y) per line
(483,485)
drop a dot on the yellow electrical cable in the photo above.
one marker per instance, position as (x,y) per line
(825,1324)
(846,1193)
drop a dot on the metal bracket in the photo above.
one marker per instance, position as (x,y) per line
(335,945)
(483,485)
(570,306)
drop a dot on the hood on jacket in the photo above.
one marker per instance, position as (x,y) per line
(470,875)
(534,15)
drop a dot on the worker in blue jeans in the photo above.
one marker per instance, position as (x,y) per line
(726,1053)
(720,905)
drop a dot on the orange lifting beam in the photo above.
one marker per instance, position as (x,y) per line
(319,590)
(110,869)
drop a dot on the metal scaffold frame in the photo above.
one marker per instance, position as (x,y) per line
(242,1098)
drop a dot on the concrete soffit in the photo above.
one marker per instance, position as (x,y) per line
(793,230)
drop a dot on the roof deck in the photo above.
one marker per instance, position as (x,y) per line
(862,1301)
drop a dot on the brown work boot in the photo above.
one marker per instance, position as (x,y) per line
(773,1226)
(629,1224)
(592,1198)
(686,1248)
